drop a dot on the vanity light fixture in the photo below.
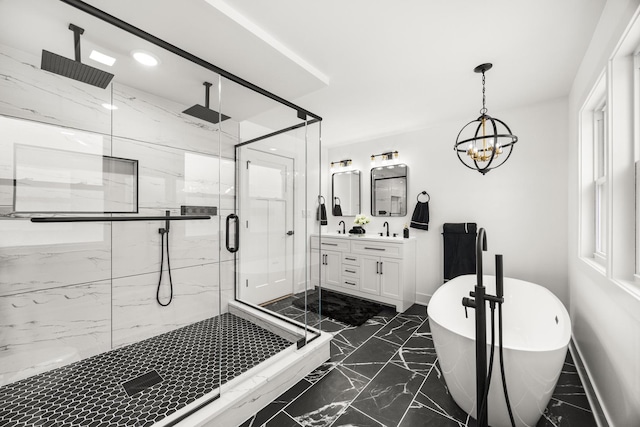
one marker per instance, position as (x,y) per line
(389,155)
(341,163)
(145,58)
(484,146)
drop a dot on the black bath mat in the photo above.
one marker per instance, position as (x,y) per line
(344,308)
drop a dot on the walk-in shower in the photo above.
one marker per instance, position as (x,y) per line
(91,181)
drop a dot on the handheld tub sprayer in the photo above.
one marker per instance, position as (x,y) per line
(478,300)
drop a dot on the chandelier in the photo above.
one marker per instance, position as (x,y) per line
(486,142)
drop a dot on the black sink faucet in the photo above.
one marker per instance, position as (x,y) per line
(343,227)
(386,224)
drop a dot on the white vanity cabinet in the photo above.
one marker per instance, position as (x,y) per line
(379,269)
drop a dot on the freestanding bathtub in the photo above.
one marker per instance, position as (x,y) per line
(536,333)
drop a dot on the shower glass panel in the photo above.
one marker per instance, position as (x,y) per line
(139,206)
(118,303)
(277,180)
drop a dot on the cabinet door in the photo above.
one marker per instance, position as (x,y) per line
(370,279)
(332,268)
(390,277)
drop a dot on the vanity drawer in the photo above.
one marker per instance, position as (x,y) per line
(351,259)
(378,249)
(350,282)
(350,270)
(328,243)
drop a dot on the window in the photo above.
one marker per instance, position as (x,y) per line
(600,172)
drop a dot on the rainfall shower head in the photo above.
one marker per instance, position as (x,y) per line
(74,69)
(204,112)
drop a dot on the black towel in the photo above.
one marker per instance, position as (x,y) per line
(321,214)
(420,217)
(459,249)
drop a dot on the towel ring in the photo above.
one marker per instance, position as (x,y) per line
(423,194)
(321,200)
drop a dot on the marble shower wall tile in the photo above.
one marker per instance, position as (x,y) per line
(146,117)
(27,145)
(137,315)
(31,93)
(170,177)
(137,244)
(51,328)
(37,256)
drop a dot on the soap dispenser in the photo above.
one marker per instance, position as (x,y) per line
(405,232)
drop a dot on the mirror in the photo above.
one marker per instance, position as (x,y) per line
(389,190)
(345,189)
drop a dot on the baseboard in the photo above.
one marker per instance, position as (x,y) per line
(599,413)
(422,299)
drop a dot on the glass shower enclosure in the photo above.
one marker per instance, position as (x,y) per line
(140,209)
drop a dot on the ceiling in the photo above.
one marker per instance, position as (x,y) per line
(368,68)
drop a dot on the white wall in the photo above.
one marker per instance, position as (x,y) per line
(522,204)
(605,315)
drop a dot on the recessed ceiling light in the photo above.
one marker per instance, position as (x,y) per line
(102,58)
(145,58)
(273,149)
(109,106)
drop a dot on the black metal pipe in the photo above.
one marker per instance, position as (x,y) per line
(119,218)
(481,334)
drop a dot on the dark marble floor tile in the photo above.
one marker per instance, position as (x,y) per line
(322,370)
(387,397)
(417,310)
(434,394)
(279,305)
(562,414)
(569,388)
(323,402)
(329,325)
(291,312)
(354,418)
(370,357)
(398,330)
(421,415)
(356,335)
(424,329)
(277,405)
(385,315)
(417,354)
(282,420)
(340,350)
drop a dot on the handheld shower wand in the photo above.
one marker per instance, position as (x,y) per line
(164,232)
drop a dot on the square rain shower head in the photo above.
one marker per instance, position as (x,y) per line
(207,114)
(75,70)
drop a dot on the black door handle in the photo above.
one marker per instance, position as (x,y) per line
(236,237)
(290,233)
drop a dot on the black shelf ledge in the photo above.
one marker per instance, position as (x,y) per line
(120,218)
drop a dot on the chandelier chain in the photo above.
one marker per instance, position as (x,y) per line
(484,110)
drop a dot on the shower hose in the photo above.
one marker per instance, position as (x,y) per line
(501,356)
(164,232)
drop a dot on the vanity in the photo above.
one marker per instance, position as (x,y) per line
(381,269)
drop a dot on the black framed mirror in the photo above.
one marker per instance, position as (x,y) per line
(345,191)
(389,190)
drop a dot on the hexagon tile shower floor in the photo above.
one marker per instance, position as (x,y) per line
(164,373)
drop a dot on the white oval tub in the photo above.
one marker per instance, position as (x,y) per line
(536,334)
